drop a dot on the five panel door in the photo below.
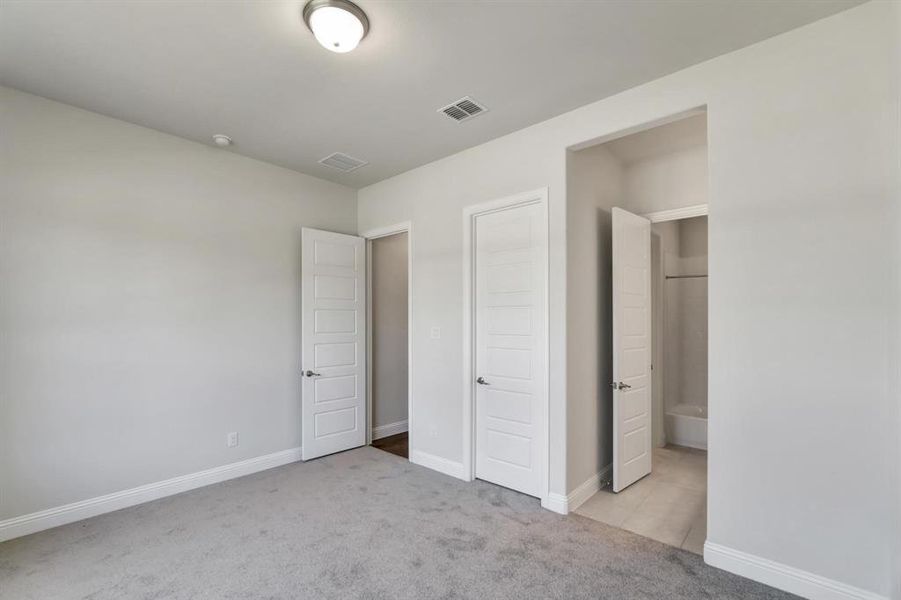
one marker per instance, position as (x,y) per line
(510,346)
(334,333)
(631,348)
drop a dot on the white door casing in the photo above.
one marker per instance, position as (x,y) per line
(631,348)
(510,350)
(334,341)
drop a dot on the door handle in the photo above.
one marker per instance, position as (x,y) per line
(309,373)
(481,381)
(619,385)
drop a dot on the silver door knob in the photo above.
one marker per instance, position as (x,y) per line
(619,385)
(309,373)
(481,381)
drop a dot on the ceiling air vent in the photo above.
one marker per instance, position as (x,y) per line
(343,162)
(463,109)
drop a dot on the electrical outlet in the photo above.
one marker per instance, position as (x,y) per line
(433,432)
(435,333)
(231,440)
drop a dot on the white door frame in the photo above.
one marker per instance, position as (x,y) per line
(369,236)
(677,214)
(539,197)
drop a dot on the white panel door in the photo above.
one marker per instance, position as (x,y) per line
(510,346)
(631,348)
(334,342)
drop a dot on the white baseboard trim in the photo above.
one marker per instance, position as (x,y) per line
(781,576)
(390,429)
(69,513)
(555,503)
(589,488)
(686,443)
(436,463)
(559,503)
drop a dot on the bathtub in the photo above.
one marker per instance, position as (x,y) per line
(686,425)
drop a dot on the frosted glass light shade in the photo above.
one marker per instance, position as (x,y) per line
(338,25)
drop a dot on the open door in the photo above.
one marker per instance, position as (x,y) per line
(631,348)
(334,342)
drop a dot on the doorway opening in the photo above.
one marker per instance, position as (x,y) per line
(647,194)
(388,302)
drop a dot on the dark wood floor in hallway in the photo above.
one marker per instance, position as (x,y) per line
(395,444)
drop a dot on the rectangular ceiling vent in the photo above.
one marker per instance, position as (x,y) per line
(463,109)
(343,162)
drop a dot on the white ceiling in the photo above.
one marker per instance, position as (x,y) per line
(253,71)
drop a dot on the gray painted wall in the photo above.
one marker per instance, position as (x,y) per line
(803,185)
(594,179)
(657,169)
(673,179)
(150,303)
(664,243)
(389,329)
(682,334)
(803,191)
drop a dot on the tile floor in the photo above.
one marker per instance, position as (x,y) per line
(669,505)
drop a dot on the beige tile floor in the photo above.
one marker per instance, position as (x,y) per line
(669,505)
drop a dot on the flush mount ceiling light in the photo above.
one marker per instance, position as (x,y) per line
(222,140)
(338,25)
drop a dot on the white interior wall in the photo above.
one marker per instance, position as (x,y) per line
(662,242)
(689,297)
(673,179)
(664,261)
(644,172)
(674,363)
(150,303)
(656,169)
(685,379)
(594,186)
(389,329)
(803,181)
(664,166)
(797,130)
(893,348)
(693,245)
(680,319)
(432,197)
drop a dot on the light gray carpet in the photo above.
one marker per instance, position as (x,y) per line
(362,524)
